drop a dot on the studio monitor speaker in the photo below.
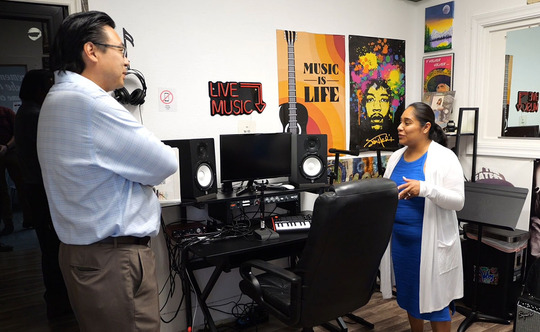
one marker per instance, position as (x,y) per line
(308,159)
(197,167)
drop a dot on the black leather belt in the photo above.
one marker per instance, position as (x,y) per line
(125,240)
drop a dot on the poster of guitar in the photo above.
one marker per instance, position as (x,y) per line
(311,75)
(377,69)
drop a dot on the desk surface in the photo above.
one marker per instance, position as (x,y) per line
(232,252)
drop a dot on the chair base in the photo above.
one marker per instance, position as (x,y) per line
(342,326)
(361,321)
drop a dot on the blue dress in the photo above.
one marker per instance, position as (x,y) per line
(407,241)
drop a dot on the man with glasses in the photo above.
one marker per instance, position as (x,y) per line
(99,166)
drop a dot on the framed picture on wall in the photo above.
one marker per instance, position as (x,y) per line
(442,104)
(439,27)
(438,73)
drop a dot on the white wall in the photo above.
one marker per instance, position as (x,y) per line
(182,45)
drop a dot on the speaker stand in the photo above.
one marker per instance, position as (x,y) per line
(473,315)
(335,173)
(264,233)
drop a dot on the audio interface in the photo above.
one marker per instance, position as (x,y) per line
(177,231)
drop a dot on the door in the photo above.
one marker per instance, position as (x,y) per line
(30,30)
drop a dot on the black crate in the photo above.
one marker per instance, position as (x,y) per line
(501,274)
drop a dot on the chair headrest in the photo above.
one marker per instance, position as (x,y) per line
(363,186)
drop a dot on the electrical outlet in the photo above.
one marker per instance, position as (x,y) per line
(246,127)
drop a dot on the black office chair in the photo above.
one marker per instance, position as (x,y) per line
(337,270)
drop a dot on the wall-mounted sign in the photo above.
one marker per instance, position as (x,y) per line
(167,101)
(527,101)
(235,98)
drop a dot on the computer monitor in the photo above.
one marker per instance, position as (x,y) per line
(250,157)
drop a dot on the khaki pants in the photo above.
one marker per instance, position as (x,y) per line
(111,288)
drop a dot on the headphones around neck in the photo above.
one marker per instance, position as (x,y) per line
(136,97)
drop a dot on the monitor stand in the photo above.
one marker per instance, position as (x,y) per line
(226,187)
(250,187)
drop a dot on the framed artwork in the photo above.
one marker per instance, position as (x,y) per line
(442,104)
(377,91)
(438,73)
(439,27)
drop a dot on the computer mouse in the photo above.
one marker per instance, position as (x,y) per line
(288,186)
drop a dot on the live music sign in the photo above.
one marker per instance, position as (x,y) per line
(235,98)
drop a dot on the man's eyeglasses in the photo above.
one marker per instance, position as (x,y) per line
(122,48)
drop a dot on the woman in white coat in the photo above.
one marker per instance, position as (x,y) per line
(425,243)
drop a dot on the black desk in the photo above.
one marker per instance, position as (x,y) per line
(227,254)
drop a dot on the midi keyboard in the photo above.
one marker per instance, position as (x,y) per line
(299,223)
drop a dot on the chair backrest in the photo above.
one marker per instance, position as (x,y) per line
(350,230)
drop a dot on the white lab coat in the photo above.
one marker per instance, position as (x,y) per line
(441,267)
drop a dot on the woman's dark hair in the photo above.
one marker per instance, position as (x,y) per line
(424,113)
(75,31)
(35,85)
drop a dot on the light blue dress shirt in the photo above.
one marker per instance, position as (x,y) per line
(99,164)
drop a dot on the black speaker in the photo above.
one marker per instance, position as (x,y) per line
(309,159)
(137,96)
(197,167)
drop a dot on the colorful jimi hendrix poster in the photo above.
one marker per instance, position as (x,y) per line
(311,75)
(377,69)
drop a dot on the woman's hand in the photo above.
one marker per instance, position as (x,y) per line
(410,189)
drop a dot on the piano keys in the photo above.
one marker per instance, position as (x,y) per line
(292,223)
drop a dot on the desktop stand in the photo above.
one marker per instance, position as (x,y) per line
(473,315)
(335,173)
(264,233)
(250,187)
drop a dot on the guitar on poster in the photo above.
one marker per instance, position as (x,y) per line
(293,116)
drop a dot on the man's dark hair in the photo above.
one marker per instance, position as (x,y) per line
(75,31)
(35,85)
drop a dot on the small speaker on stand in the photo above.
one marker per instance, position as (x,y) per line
(197,168)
